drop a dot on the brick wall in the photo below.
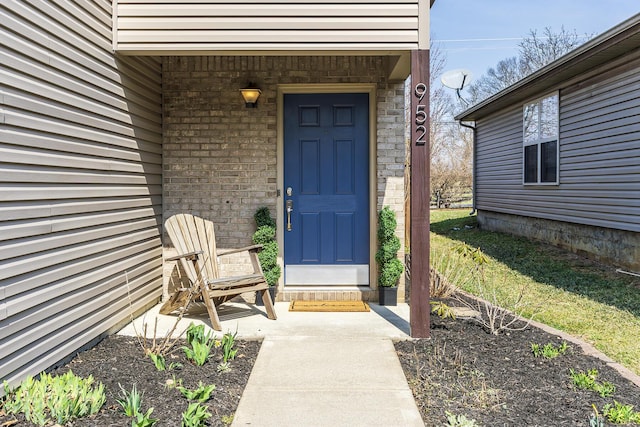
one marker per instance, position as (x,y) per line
(220,157)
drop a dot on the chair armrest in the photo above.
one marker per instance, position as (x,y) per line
(189,255)
(253,248)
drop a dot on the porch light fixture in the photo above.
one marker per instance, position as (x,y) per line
(250,94)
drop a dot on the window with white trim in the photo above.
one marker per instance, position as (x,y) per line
(540,141)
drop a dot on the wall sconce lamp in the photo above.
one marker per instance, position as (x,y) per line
(250,94)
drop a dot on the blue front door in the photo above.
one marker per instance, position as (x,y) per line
(326,181)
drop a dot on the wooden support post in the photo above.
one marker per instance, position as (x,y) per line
(419,182)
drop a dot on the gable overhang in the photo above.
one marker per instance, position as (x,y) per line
(391,28)
(614,45)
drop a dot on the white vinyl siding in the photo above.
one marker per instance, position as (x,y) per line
(599,158)
(144,26)
(80,182)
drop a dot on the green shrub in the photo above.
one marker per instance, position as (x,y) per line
(268,256)
(388,251)
(390,267)
(386,224)
(263,217)
(265,235)
(390,273)
(272,276)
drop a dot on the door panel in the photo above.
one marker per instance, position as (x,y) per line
(326,161)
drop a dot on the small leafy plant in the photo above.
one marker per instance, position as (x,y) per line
(442,310)
(131,403)
(196,415)
(200,394)
(459,420)
(55,398)
(588,381)
(143,420)
(228,342)
(621,414)
(549,350)
(199,349)
(595,420)
(158,361)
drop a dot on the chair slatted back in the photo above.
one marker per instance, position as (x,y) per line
(190,233)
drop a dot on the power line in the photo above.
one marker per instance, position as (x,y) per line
(497,39)
(477,40)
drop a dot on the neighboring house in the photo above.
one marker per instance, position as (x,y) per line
(115,116)
(557,155)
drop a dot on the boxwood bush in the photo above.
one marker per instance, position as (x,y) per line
(389,266)
(265,235)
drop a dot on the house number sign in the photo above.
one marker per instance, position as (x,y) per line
(419,92)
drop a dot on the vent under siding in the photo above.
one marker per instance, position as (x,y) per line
(143,26)
(80,183)
(599,160)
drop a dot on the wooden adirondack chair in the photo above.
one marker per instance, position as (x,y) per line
(194,239)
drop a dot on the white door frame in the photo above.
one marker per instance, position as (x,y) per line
(369,88)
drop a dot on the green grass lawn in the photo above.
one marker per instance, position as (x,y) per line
(568,292)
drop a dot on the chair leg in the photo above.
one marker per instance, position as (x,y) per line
(177,300)
(268,304)
(211,309)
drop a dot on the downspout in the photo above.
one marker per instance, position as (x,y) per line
(473,167)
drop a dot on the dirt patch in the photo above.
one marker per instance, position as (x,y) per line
(497,381)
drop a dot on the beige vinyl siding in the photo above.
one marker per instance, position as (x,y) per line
(599,158)
(80,182)
(318,25)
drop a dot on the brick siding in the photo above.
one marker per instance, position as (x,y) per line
(220,157)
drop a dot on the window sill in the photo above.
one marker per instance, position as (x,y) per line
(541,184)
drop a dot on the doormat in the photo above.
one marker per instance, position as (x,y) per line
(329,306)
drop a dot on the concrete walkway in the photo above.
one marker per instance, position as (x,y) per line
(316,369)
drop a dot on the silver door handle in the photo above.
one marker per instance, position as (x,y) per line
(289,210)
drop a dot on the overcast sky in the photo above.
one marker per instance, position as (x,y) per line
(476,34)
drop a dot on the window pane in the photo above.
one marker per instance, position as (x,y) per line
(548,161)
(531,163)
(530,123)
(549,117)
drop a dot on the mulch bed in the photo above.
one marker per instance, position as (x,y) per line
(119,360)
(496,380)
(462,369)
